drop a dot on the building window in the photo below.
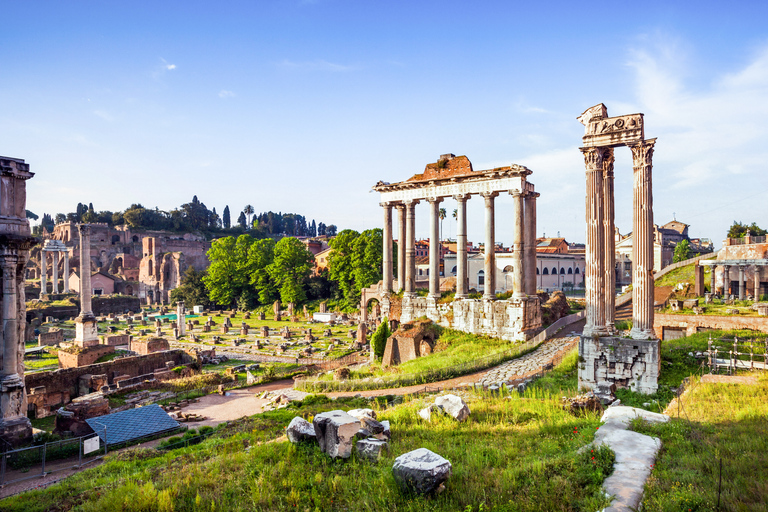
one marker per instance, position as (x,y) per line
(570,271)
(546,271)
(554,271)
(562,271)
(454,270)
(481,277)
(537,270)
(577,270)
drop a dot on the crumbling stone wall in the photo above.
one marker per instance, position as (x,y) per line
(693,323)
(410,341)
(150,346)
(628,363)
(50,338)
(72,358)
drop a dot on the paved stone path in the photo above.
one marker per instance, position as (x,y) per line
(530,363)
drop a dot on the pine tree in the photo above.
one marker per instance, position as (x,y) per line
(241,220)
(225,218)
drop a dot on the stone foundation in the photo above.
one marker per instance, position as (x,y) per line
(84,357)
(150,346)
(513,320)
(116,339)
(691,324)
(50,338)
(628,363)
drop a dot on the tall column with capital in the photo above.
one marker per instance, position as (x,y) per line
(642,241)
(86,330)
(518,246)
(410,246)
(401,243)
(742,283)
(489,288)
(55,276)
(43,272)
(609,241)
(386,270)
(529,261)
(65,277)
(462,278)
(595,253)
(434,247)
(10,320)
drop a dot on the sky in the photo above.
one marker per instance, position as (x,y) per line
(303,105)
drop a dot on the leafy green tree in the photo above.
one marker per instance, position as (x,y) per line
(192,289)
(379,338)
(225,218)
(290,269)
(229,273)
(682,251)
(739,230)
(330,230)
(262,255)
(356,261)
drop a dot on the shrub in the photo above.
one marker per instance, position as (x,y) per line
(379,339)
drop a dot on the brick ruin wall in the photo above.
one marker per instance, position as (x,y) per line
(692,324)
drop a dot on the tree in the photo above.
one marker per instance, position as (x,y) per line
(241,220)
(31,215)
(290,269)
(192,289)
(739,230)
(682,251)
(248,211)
(330,230)
(355,262)
(225,218)
(379,339)
(262,255)
(230,271)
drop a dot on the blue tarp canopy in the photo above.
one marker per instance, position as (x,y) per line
(132,424)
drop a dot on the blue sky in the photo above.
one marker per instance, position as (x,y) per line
(302,106)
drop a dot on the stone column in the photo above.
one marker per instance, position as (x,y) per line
(529,258)
(462,278)
(642,241)
(756,286)
(85,270)
(401,243)
(518,245)
(10,321)
(181,318)
(386,270)
(43,272)
(55,276)
(712,287)
(489,288)
(595,252)
(434,247)
(726,281)
(741,282)
(410,247)
(65,277)
(609,241)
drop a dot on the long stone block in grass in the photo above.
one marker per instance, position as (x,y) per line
(421,471)
(336,432)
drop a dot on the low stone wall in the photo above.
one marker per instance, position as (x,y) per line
(506,319)
(66,380)
(692,324)
(150,346)
(50,338)
(86,357)
(116,339)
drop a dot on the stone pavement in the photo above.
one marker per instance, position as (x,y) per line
(530,363)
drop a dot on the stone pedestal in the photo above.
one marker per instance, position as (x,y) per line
(86,331)
(628,363)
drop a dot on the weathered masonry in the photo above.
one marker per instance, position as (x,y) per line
(15,243)
(629,362)
(452,176)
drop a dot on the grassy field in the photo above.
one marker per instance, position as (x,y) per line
(684,275)
(515,454)
(47,360)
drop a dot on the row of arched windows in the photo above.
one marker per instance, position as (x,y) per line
(546,271)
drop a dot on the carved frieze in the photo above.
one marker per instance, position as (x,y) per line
(601,131)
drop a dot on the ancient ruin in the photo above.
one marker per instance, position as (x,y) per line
(15,243)
(451,176)
(632,362)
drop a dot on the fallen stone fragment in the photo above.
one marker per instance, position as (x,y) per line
(362,413)
(372,425)
(386,434)
(454,406)
(426,413)
(604,391)
(300,430)
(421,471)
(370,449)
(335,432)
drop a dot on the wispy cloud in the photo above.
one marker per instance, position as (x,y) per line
(167,65)
(316,65)
(226,94)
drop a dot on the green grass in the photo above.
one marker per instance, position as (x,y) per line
(717,307)
(48,360)
(684,274)
(518,454)
(720,421)
(47,423)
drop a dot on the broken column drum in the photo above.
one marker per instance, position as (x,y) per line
(633,362)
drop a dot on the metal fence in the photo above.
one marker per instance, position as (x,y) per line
(735,354)
(42,460)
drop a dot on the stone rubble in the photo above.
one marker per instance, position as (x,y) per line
(335,432)
(421,471)
(300,430)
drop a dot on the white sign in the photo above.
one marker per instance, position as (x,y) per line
(91,445)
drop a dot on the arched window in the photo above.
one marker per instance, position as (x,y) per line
(537,270)
(115,239)
(453,271)
(554,271)
(577,270)
(570,271)
(135,238)
(508,269)
(546,271)
(562,271)
(481,277)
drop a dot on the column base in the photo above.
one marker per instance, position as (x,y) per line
(86,331)
(16,431)
(594,331)
(628,363)
(461,296)
(642,334)
(15,427)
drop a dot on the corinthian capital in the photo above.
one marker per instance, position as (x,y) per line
(593,158)
(608,160)
(642,153)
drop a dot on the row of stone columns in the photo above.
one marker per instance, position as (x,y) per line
(601,252)
(742,290)
(524,245)
(54,247)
